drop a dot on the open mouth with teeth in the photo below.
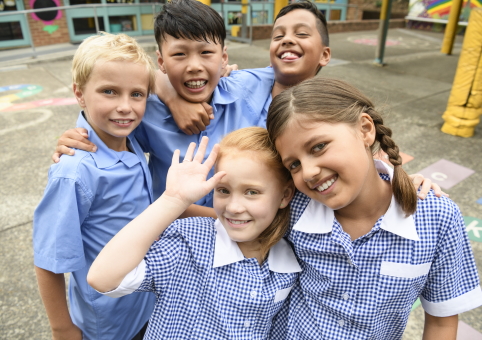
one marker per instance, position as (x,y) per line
(288,56)
(324,186)
(122,121)
(195,84)
(237,222)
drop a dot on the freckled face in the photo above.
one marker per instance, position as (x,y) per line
(114,99)
(248,197)
(328,162)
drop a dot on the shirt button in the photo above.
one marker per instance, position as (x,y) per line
(341,322)
(247,323)
(350,262)
(345,296)
(253,294)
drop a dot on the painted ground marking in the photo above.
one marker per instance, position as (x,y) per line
(446,173)
(474,228)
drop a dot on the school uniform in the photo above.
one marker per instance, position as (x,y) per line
(206,288)
(364,289)
(88,199)
(240,100)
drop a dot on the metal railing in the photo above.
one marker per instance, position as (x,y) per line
(93,6)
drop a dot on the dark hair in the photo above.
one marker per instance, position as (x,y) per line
(334,101)
(189,19)
(255,139)
(311,7)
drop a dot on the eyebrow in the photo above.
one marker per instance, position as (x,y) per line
(301,24)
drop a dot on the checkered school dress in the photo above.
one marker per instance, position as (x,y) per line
(206,288)
(364,289)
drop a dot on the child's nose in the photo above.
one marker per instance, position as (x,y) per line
(310,172)
(195,65)
(234,206)
(124,106)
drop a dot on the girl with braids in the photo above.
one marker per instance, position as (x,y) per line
(213,279)
(367,247)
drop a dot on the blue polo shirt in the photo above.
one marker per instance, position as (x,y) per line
(239,101)
(88,199)
(365,288)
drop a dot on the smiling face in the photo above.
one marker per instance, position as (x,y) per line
(249,196)
(297,50)
(193,67)
(114,100)
(328,162)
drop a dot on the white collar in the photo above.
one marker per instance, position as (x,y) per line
(318,219)
(281,258)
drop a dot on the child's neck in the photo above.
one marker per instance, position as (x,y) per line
(278,88)
(251,249)
(358,218)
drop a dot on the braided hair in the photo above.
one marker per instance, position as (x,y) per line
(334,101)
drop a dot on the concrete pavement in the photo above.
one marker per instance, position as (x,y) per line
(413,89)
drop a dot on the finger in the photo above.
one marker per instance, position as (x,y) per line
(187,131)
(234,67)
(200,124)
(208,108)
(63,150)
(213,181)
(190,152)
(201,151)
(83,132)
(437,189)
(212,156)
(426,185)
(77,141)
(56,157)
(194,129)
(175,157)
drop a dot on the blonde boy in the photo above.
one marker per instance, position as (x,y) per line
(91,196)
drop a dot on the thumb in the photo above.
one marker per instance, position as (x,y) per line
(213,181)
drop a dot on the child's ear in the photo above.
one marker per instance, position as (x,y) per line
(78,95)
(160,62)
(368,130)
(288,194)
(225,57)
(325,56)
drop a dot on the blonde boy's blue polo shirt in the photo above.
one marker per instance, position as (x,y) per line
(88,199)
(239,101)
(365,289)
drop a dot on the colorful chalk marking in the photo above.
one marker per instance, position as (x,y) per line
(474,228)
(43,102)
(446,173)
(374,42)
(465,332)
(416,304)
(25,90)
(479,200)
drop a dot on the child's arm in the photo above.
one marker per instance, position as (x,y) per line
(195,210)
(186,183)
(437,328)
(52,291)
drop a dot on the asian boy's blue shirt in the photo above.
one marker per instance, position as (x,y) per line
(88,199)
(240,100)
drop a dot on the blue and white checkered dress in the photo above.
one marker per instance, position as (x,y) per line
(206,288)
(364,289)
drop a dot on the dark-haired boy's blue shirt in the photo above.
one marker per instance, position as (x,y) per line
(240,100)
(89,198)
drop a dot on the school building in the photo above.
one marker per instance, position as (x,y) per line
(71,21)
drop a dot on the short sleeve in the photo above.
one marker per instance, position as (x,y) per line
(161,260)
(57,235)
(251,85)
(452,285)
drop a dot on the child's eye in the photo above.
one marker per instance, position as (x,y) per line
(206,52)
(252,192)
(137,95)
(294,165)
(108,91)
(318,147)
(223,191)
(178,54)
(302,34)
(278,37)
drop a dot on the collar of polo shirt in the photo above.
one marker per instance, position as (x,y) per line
(281,258)
(319,219)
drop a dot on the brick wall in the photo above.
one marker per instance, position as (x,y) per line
(264,31)
(41,37)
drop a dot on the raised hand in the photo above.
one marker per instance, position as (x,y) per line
(186,181)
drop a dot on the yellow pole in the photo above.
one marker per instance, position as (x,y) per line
(206,2)
(278,5)
(464,107)
(451,28)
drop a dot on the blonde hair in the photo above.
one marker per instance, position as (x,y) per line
(108,47)
(256,139)
(334,101)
